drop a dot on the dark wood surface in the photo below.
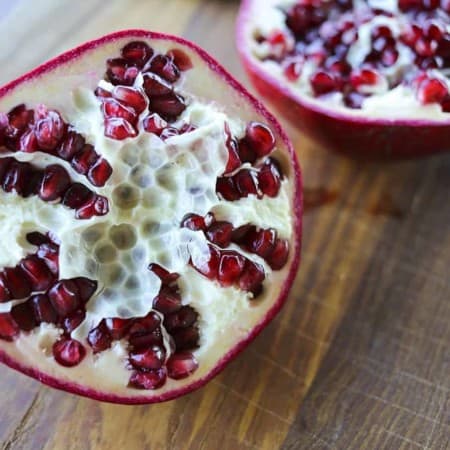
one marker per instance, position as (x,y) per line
(358,359)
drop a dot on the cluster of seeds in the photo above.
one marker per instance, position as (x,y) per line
(44,130)
(156,100)
(149,358)
(229,267)
(48,299)
(322,33)
(52,184)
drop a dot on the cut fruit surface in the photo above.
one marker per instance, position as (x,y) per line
(367,78)
(152,210)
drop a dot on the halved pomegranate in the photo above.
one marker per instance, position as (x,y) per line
(150,218)
(367,78)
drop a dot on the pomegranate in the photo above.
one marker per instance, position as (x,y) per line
(151,219)
(366,78)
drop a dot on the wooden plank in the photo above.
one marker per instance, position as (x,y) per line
(375,267)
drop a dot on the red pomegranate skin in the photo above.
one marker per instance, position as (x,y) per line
(357,137)
(295,245)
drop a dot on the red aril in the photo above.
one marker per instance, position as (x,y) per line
(145,207)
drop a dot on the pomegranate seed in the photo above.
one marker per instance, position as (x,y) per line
(50,254)
(432,91)
(118,72)
(364,77)
(146,340)
(71,144)
(119,129)
(165,276)
(169,106)
(167,301)
(269,178)
(64,297)
(323,83)
(181,365)
(243,234)
(149,359)
(152,379)
(54,184)
(252,278)
(424,47)
(227,189)
(246,182)
(145,324)
(28,142)
(155,86)
(102,93)
(95,206)
(99,173)
(16,177)
(112,108)
(154,124)
(183,318)
(234,161)
(279,256)
(260,138)
(73,321)
(210,267)
(76,196)
(194,222)
(246,152)
(293,69)
(131,97)
(180,59)
(4,291)
(23,316)
(8,327)
(168,133)
(17,283)
(37,273)
(264,242)
(99,338)
(231,266)
(434,31)
(389,57)
(49,128)
(84,159)
(165,68)
(18,120)
(219,233)
(117,327)
(137,52)
(43,309)
(186,338)
(86,288)
(36,238)
(68,352)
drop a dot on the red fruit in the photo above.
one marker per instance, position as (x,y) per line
(64,297)
(54,184)
(144,209)
(68,352)
(119,129)
(99,338)
(43,309)
(8,327)
(181,365)
(346,98)
(37,273)
(152,379)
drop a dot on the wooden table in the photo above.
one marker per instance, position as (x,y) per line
(359,358)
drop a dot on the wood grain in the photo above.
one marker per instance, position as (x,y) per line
(359,357)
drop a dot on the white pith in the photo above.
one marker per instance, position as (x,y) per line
(401,102)
(227,315)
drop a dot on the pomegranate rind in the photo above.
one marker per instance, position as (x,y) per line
(358,137)
(145,397)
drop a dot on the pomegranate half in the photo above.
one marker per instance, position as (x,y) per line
(366,78)
(150,214)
